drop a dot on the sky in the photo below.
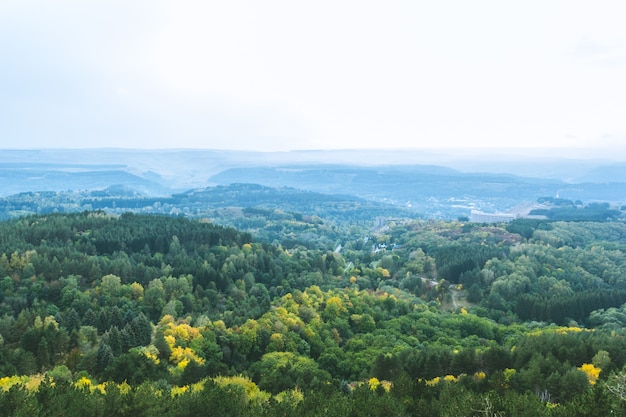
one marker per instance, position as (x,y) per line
(279,75)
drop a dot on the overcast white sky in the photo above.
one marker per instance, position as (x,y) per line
(283,75)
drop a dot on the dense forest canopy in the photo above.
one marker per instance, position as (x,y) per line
(170,316)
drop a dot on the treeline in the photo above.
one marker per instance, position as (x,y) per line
(86,232)
(567,210)
(575,214)
(565,308)
(454,260)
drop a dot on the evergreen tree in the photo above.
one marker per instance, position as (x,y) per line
(72,321)
(142,330)
(104,358)
(43,353)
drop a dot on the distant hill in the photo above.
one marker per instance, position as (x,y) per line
(18,178)
(428,182)
(213,202)
(428,189)
(605,174)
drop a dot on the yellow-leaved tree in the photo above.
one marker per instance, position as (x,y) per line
(591,371)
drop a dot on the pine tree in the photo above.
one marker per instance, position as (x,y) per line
(143,329)
(104,358)
(43,353)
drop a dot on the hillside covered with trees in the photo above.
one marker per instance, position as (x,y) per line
(136,315)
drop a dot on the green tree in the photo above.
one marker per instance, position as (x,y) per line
(104,358)
(280,371)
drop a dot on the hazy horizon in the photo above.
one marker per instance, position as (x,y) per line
(613,154)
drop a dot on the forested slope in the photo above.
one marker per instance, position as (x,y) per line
(155,315)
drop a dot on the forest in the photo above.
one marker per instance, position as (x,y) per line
(142,315)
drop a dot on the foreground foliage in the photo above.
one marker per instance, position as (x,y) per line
(159,315)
